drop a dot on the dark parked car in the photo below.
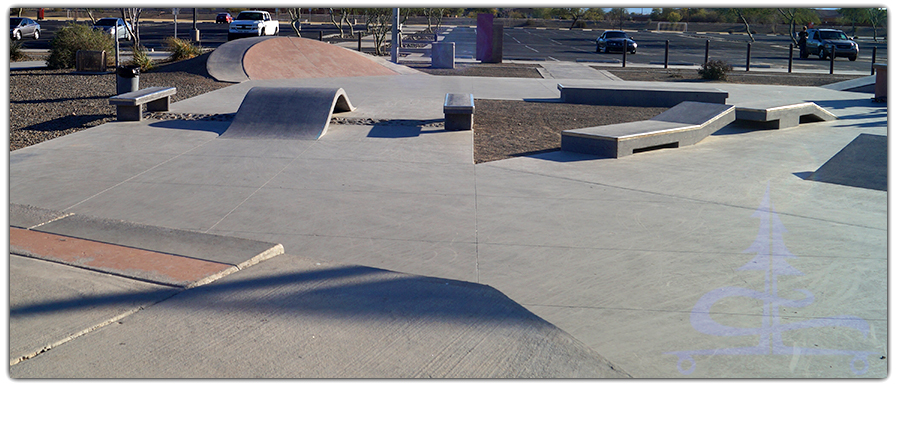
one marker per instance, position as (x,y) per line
(615,40)
(114,26)
(820,42)
(23,27)
(224,17)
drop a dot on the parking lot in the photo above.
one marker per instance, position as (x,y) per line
(685,49)
(548,44)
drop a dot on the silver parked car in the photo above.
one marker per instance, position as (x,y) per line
(114,26)
(23,27)
(616,40)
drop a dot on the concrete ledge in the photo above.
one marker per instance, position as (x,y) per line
(459,110)
(682,125)
(639,96)
(129,106)
(783,116)
(135,245)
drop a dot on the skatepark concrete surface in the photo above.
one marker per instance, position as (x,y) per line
(401,258)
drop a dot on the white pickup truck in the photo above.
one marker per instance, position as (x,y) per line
(252,23)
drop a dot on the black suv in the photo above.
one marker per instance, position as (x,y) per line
(820,42)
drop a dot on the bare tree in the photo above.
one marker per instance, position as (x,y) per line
(740,15)
(90,13)
(295,14)
(343,17)
(133,17)
(876,17)
(379,24)
(432,14)
(795,15)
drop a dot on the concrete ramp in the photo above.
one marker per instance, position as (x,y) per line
(682,125)
(278,57)
(287,113)
(769,115)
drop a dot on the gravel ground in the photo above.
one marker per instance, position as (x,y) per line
(46,104)
(518,128)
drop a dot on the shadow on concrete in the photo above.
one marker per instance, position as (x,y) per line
(67,122)
(344,292)
(838,104)
(193,125)
(561,156)
(403,128)
(383,131)
(862,164)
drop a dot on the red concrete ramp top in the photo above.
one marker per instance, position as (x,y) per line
(290,57)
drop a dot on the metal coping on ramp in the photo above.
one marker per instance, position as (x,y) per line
(160,255)
(287,113)
(682,125)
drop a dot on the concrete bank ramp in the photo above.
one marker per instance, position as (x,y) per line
(287,113)
(682,125)
(277,57)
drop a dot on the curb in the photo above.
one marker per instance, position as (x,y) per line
(160,255)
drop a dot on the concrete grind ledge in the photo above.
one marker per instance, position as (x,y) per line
(156,254)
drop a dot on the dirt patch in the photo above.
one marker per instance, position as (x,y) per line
(518,128)
(505,70)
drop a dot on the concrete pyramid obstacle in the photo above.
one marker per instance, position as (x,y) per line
(277,57)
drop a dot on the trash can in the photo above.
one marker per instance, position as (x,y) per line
(127,78)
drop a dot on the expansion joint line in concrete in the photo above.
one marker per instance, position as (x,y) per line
(475,187)
(135,176)
(258,189)
(698,200)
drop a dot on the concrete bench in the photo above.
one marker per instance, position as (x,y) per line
(682,125)
(771,116)
(459,109)
(639,96)
(129,106)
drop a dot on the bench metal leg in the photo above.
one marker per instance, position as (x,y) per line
(161,104)
(458,122)
(129,113)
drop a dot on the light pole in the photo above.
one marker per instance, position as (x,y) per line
(395,36)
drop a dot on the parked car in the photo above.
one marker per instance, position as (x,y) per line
(252,23)
(22,27)
(224,17)
(114,26)
(820,42)
(615,40)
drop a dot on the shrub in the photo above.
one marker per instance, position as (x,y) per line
(181,49)
(715,70)
(15,51)
(140,58)
(74,37)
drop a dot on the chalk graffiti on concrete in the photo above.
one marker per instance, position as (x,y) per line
(771,257)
